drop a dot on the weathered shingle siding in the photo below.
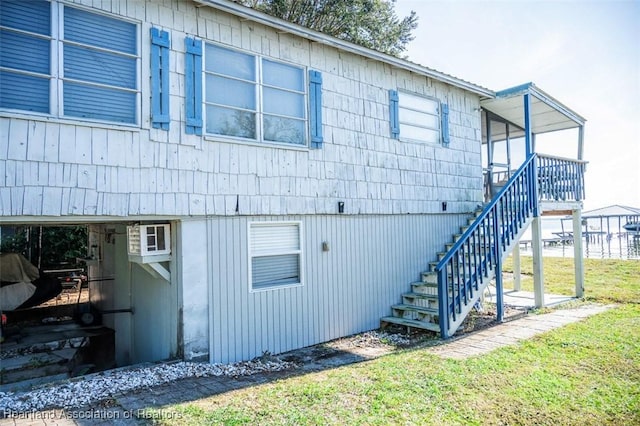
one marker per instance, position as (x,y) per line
(64,167)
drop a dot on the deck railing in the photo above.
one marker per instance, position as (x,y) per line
(560,179)
(478,253)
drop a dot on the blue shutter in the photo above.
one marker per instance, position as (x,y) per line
(160,45)
(444,109)
(394,115)
(193,86)
(315,108)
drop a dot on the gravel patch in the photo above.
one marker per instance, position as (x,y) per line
(90,389)
(374,338)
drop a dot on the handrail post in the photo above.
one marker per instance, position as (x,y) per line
(534,184)
(498,268)
(443,303)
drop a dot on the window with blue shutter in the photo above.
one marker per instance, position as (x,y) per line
(445,124)
(315,108)
(393,114)
(95,76)
(419,118)
(25,55)
(160,45)
(193,86)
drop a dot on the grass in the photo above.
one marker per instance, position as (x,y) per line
(606,280)
(586,373)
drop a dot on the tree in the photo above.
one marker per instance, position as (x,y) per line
(46,246)
(369,23)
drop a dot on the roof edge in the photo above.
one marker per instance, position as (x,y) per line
(544,97)
(264,19)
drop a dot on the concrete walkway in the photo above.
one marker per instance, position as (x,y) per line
(129,409)
(509,333)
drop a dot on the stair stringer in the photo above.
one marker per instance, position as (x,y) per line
(484,282)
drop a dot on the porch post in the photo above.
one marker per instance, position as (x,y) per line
(517,282)
(580,142)
(578,259)
(527,125)
(489,155)
(538,271)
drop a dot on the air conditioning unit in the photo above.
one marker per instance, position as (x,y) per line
(149,240)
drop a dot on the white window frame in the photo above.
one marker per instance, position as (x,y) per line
(56,70)
(259,86)
(252,255)
(405,122)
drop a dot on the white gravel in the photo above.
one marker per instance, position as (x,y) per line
(90,389)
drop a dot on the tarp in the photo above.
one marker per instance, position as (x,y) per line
(15,268)
(22,285)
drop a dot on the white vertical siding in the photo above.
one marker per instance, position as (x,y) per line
(192,277)
(371,261)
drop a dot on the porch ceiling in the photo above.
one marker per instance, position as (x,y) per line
(547,114)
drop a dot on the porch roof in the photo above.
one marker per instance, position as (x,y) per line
(547,114)
(611,211)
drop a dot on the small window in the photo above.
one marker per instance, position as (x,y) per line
(419,118)
(275,255)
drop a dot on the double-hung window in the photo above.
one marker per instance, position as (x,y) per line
(254,98)
(68,62)
(275,253)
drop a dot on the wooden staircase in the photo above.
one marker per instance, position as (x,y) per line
(419,307)
(456,281)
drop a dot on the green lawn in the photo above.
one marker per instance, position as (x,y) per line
(606,280)
(586,373)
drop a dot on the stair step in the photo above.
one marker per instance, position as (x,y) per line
(25,385)
(420,309)
(425,288)
(35,360)
(413,295)
(429,277)
(410,323)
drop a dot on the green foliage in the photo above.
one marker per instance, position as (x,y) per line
(369,23)
(47,246)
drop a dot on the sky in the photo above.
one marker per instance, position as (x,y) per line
(586,54)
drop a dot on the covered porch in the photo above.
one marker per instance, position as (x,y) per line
(523,122)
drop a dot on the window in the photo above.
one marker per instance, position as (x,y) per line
(275,255)
(67,62)
(254,98)
(418,118)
